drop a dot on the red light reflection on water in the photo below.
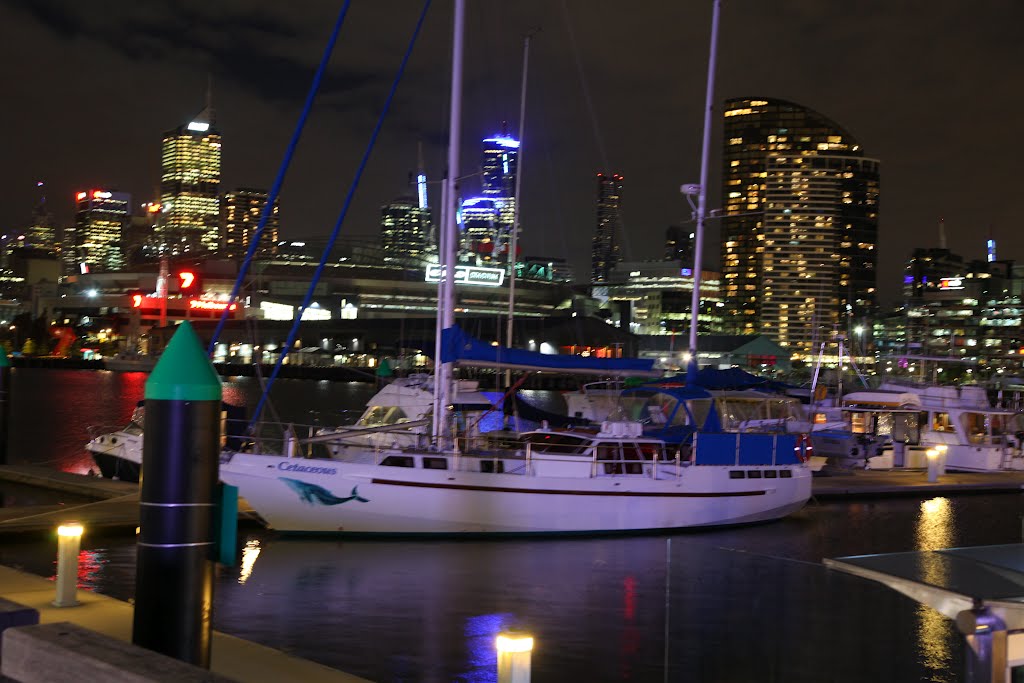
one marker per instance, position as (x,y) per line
(90,568)
(630,633)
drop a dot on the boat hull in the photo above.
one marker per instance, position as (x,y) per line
(338,497)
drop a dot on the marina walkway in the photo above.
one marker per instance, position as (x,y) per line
(888,483)
(235,658)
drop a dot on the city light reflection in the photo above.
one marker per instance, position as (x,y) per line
(249,554)
(935,530)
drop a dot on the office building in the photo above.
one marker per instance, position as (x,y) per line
(800,224)
(405,228)
(605,246)
(101,217)
(679,243)
(242,211)
(190,186)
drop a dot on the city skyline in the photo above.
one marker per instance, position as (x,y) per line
(633,109)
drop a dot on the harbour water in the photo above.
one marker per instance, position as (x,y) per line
(744,604)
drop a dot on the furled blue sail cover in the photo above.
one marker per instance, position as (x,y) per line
(458,347)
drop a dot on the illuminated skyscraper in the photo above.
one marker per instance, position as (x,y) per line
(242,211)
(605,248)
(100,219)
(190,185)
(501,163)
(41,234)
(404,228)
(800,224)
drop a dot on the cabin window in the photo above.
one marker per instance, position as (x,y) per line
(737,474)
(770,474)
(753,474)
(435,463)
(398,461)
(492,466)
(631,453)
(786,474)
(557,444)
(860,423)
(700,408)
(650,451)
(942,423)
(906,428)
(609,454)
(974,426)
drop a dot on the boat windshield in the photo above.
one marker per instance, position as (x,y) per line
(558,444)
(377,416)
(738,412)
(137,421)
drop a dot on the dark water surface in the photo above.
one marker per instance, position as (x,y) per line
(744,604)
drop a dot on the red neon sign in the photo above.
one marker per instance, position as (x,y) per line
(205,305)
(136,301)
(187,278)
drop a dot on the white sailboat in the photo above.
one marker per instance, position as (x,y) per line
(611,480)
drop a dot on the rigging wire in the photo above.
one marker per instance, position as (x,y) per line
(275,190)
(293,332)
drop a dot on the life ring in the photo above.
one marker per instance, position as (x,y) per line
(803,449)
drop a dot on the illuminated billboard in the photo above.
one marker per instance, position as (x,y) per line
(468,275)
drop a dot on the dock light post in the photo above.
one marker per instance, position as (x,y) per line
(942,458)
(933,464)
(69,542)
(986,645)
(177,513)
(514,651)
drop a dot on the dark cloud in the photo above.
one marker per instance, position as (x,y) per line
(929,90)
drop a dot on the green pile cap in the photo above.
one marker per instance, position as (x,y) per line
(184,373)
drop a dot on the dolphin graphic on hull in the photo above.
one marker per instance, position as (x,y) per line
(318,495)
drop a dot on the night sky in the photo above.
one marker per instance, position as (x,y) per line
(931,89)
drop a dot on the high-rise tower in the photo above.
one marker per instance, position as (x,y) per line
(242,211)
(800,225)
(605,247)
(100,220)
(190,185)
(405,228)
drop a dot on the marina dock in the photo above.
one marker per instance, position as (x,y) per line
(115,507)
(237,659)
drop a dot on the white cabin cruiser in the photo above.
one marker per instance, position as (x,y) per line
(972,435)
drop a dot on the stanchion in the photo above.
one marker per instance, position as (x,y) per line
(180,457)
(69,542)
(933,465)
(514,652)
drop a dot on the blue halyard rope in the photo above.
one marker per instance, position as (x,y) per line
(341,218)
(279,180)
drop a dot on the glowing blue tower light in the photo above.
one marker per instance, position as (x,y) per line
(504,141)
(421,189)
(991,251)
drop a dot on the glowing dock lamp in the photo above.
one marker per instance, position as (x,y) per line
(69,540)
(514,650)
(942,457)
(933,464)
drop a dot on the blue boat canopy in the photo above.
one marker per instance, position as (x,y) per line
(459,347)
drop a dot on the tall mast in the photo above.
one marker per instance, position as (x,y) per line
(513,243)
(443,374)
(698,247)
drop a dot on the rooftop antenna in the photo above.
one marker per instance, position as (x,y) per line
(421,177)
(942,233)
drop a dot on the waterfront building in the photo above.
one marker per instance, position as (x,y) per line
(605,247)
(679,245)
(190,186)
(481,227)
(654,297)
(800,223)
(960,322)
(405,227)
(241,213)
(101,217)
(69,255)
